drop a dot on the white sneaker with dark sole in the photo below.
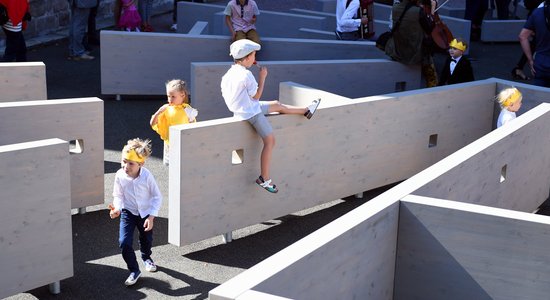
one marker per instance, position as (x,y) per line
(312,108)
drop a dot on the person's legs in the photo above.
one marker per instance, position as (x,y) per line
(91,33)
(21,48)
(276,106)
(126,234)
(265,131)
(503,11)
(145,240)
(77,30)
(265,157)
(11,45)
(239,35)
(145,8)
(253,36)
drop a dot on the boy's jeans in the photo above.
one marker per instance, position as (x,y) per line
(128,222)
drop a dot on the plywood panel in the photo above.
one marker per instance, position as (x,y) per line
(345,149)
(23,81)
(35,219)
(453,251)
(69,119)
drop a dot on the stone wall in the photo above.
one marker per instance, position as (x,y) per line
(53,15)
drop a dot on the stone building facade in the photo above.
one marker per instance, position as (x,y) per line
(53,15)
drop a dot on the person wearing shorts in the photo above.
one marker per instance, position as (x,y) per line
(242,92)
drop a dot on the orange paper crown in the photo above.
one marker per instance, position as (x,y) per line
(133,156)
(458,45)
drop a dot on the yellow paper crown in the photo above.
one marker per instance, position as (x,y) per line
(458,45)
(512,98)
(133,156)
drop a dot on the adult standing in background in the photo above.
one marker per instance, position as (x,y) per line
(537,26)
(347,21)
(408,44)
(80,11)
(475,11)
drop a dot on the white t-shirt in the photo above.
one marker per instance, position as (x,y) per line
(238,87)
(505,116)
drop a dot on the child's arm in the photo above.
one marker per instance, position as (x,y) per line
(230,26)
(261,83)
(115,207)
(154,117)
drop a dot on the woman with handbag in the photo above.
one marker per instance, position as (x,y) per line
(410,41)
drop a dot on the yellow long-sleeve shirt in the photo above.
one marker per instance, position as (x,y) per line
(173,115)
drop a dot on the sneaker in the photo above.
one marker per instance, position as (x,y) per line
(84,56)
(174,27)
(266,184)
(312,108)
(150,265)
(132,279)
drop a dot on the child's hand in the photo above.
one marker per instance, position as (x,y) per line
(113,213)
(263,72)
(148,224)
(191,113)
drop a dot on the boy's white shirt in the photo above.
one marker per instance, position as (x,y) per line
(140,195)
(238,88)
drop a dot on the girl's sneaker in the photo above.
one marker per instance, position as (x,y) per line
(312,108)
(266,184)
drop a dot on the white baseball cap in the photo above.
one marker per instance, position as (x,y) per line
(242,48)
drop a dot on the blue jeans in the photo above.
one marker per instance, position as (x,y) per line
(145,10)
(77,30)
(128,222)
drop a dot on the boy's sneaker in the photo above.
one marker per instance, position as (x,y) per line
(133,278)
(312,108)
(266,184)
(150,266)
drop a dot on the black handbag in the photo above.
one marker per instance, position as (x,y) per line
(383,39)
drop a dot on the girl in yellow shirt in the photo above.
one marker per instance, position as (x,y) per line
(177,111)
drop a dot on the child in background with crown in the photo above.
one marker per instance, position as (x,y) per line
(176,112)
(510,102)
(137,200)
(457,68)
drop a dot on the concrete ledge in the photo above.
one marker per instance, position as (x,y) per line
(501,30)
(22,81)
(36,235)
(131,64)
(79,121)
(379,135)
(343,77)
